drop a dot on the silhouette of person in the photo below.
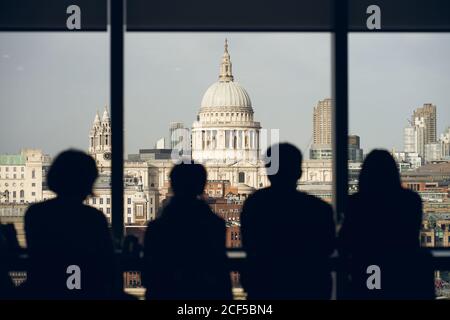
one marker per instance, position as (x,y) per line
(64,232)
(288,235)
(184,250)
(8,239)
(381,228)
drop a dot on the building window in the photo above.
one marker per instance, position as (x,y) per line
(33,174)
(94,200)
(241,177)
(428,239)
(108,210)
(22,169)
(22,194)
(14,169)
(129,210)
(129,200)
(14,194)
(139,211)
(108,200)
(33,184)
(101,200)
(33,193)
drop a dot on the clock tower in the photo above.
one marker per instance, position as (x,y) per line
(100,141)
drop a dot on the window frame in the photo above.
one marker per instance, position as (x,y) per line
(339,30)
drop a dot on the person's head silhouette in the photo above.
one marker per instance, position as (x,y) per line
(379,173)
(288,158)
(188,180)
(72,175)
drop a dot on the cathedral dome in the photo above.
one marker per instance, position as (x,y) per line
(226,94)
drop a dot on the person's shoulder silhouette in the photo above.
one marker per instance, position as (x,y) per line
(382,227)
(8,252)
(288,235)
(185,255)
(64,232)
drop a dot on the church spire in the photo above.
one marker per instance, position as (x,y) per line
(105,117)
(97,118)
(226,74)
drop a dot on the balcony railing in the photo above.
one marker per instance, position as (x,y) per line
(236,261)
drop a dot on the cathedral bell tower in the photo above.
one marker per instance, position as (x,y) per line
(100,140)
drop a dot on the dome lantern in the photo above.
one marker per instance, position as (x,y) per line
(226,74)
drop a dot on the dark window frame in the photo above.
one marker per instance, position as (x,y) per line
(339,29)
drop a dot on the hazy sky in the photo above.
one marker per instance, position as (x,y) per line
(51,84)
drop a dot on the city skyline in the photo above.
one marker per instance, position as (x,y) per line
(202,55)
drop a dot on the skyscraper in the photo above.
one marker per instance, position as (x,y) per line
(355,153)
(175,135)
(445,139)
(421,131)
(428,115)
(322,115)
(409,139)
(322,122)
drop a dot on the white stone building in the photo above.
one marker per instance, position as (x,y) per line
(225,131)
(141,198)
(225,138)
(22,176)
(100,141)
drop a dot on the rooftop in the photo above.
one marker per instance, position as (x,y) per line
(12,160)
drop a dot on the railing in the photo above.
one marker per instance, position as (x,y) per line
(236,260)
(127,262)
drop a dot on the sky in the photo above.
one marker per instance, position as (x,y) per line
(51,84)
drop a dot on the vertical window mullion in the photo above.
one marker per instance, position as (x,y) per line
(340,123)
(116,14)
(340,110)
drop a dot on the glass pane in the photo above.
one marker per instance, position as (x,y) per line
(52,86)
(399,101)
(279,89)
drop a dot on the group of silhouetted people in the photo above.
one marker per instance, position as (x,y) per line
(288,237)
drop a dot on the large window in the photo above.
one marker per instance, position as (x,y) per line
(399,102)
(292,75)
(52,87)
(224,98)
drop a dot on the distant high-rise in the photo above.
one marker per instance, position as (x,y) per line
(175,136)
(433,151)
(420,135)
(421,131)
(427,114)
(161,143)
(322,122)
(409,139)
(445,139)
(322,115)
(355,153)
